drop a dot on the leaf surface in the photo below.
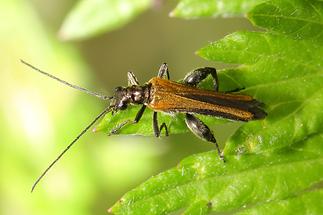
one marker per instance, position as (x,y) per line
(297,18)
(203,180)
(308,203)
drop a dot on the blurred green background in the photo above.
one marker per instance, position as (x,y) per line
(39,116)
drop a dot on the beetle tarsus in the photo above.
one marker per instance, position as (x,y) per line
(163,70)
(157,129)
(128,122)
(196,76)
(132,79)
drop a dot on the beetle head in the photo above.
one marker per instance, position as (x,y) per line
(120,99)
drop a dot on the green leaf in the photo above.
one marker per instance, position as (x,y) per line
(297,18)
(90,18)
(308,203)
(190,9)
(203,180)
(199,207)
(285,74)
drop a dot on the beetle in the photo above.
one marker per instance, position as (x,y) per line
(163,95)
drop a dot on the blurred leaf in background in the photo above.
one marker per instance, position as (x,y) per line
(192,9)
(89,18)
(30,112)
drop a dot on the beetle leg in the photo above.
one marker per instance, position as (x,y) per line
(128,122)
(235,90)
(202,131)
(132,80)
(157,130)
(163,70)
(197,75)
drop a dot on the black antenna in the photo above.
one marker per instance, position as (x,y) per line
(103,97)
(106,110)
